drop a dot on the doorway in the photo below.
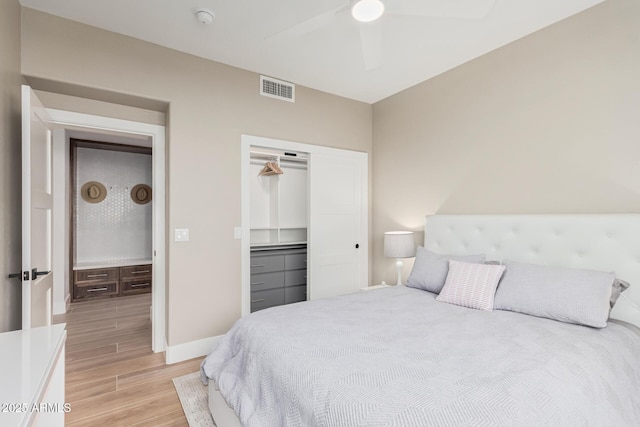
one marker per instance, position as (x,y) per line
(68,125)
(110,221)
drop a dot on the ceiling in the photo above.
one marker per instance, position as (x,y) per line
(326,55)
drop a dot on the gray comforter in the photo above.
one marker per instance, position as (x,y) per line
(397,357)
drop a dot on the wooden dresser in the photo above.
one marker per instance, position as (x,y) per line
(114,281)
(135,279)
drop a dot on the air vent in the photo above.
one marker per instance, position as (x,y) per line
(274,88)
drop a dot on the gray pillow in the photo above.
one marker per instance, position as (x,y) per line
(430,269)
(618,287)
(566,294)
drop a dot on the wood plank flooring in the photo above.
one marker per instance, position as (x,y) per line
(112,376)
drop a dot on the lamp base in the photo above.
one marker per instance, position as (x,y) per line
(399,265)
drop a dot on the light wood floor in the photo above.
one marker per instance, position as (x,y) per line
(112,376)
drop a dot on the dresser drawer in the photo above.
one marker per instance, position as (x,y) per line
(96,275)
(266,299)
(135,271)
(268,263)
(295,294)
(295,261)
(136,286)
(96,290)
(264,281)
(295,277)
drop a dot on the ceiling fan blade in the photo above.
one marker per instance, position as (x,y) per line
(371,41)
(459,9)
(308,26)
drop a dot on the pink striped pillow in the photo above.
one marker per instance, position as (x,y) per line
(471,285)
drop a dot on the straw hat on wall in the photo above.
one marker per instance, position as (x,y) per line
(93,192)
(141,194)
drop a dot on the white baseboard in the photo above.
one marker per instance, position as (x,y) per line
(190,350)
(62,308)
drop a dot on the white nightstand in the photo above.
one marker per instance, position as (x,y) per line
(374,287)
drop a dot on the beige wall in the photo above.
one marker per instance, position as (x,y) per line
(94,107)
(548,124)
(10,81)
(210,106)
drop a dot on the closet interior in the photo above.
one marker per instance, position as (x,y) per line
(111,220)
(278,226)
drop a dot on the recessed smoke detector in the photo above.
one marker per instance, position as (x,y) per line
(204,16)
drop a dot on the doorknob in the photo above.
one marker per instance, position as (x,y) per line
(357,245)
(15,275)
(35,273)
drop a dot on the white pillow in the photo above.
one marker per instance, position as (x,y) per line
(471,285)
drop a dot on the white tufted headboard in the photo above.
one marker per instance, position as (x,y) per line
(607,242)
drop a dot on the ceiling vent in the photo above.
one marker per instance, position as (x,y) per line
(274,88)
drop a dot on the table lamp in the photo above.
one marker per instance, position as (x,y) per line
(399,244)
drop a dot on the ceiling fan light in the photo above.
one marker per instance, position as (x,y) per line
(367,10)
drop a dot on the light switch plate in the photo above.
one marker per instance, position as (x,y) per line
(182,234)
(237,233)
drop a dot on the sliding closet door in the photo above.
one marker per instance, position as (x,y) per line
(338,249)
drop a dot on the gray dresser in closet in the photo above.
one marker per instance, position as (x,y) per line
(278,276)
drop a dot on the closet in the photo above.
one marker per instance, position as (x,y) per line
(279,212)
(111,220)
(304,222)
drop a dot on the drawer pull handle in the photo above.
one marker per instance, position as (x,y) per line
(140,272)
(257,266)
(257,283)
(97,289)
(253,301)
(140,285)
(97,275)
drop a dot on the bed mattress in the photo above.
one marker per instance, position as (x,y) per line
(397,357)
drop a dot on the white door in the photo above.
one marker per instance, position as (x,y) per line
(338,226)
(37,203)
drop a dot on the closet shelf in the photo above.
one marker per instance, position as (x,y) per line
(292,227)
(264,245)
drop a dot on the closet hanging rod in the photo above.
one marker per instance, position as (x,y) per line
(294,165)
(294,159)
(284,165)
(277,156)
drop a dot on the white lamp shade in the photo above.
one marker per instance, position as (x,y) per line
(399,244)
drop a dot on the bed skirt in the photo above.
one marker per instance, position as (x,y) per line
(222,414)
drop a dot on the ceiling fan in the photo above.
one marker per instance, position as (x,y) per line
(367,13)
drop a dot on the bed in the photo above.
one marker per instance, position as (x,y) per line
(400,357)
